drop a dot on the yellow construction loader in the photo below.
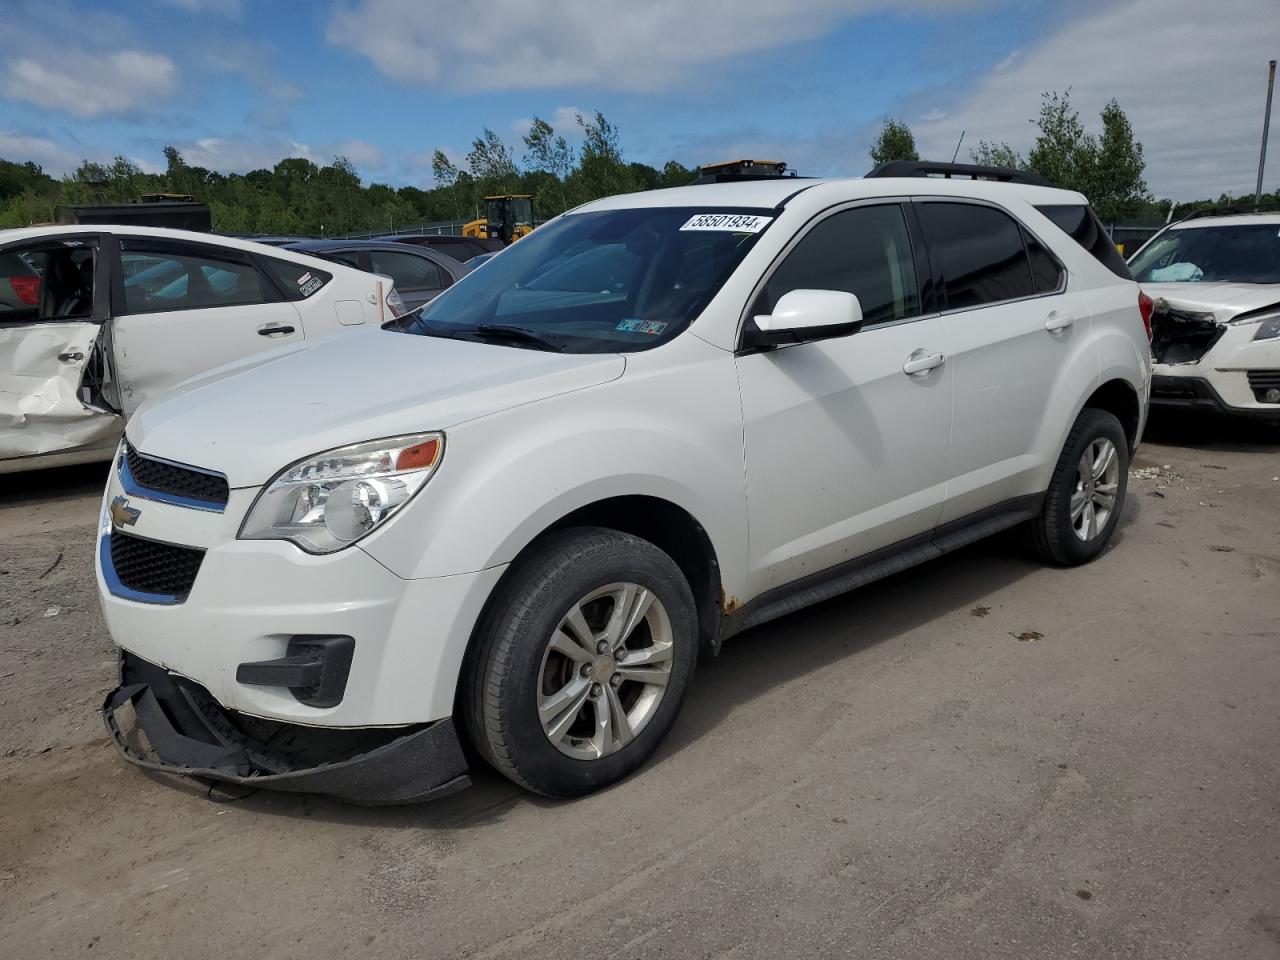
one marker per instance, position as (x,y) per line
(507,218)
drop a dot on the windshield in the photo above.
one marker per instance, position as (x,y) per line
(611,281)
(1241,253)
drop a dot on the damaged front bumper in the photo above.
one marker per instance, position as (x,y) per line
(189,734)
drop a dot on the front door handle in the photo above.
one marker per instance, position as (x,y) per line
(1059,321)
(275,330)
(921,362)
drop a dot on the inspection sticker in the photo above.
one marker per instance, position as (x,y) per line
(732,222)
(636,325)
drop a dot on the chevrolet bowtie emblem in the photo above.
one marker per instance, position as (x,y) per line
(123,515)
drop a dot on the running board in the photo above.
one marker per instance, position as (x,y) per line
(879,564)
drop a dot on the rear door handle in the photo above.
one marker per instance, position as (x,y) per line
(1059,321)
(274,330)
(920,362)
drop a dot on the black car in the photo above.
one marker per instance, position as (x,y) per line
(420,274)
(460,248)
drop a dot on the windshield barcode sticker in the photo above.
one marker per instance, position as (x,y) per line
(730,222)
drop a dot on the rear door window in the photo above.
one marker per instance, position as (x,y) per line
(409,271)
(1080,222)
(177,276)
(979,251)
(865,251)
(48,281)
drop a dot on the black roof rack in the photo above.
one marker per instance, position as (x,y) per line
(950,171)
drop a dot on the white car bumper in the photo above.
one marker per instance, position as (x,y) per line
(1234,376)
(250,597)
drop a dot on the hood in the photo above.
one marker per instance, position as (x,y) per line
(1225,299)
(250,420)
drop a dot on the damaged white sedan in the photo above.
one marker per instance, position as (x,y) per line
(95,320)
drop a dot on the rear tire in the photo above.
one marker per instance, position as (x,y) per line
(581,662)
(1086,493)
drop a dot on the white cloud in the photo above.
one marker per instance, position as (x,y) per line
(241,153)
(1191,77)
(251,59)
(53,157)
(360,152)
(226,8)
(606,44)
(563,120)
(92,85)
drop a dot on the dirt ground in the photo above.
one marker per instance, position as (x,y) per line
(890,774)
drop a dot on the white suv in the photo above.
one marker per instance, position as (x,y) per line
(1216,326)
(518,519)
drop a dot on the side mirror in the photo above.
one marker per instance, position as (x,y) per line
(804,315)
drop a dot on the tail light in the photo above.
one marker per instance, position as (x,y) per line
(395,303)
(1146,307)
(27,289)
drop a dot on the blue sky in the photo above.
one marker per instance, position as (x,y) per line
(238,84)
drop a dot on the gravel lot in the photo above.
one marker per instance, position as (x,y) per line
(890,774)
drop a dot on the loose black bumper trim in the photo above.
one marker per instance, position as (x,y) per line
(1196,393)
(191,735)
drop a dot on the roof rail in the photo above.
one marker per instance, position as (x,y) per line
(1233,210)
(949,171)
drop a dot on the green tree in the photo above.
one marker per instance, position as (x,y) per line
(443,170)
(601,169)
(675,174)
(549,153)
(894,142)
(1119,189)
(490,163)
(1108,170)
(992,154)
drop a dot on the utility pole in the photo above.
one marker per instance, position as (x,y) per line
(1266,128)
(958,142)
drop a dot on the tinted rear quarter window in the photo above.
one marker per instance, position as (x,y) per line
(1080,222)
(979,251)
(1046,272)
(296,281)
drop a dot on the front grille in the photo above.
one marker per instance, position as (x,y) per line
(148,566)
(162,477)
(1260,381)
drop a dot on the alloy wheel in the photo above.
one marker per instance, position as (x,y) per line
(604,671)
(1097,483)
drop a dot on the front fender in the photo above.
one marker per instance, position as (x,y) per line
(508,477)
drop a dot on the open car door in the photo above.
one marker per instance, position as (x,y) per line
(180,308)
(53,378)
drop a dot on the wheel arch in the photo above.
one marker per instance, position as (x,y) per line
(1118,397)
(666,525)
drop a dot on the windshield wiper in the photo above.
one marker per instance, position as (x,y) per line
(503,331)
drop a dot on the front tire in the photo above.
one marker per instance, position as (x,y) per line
(1086,493)
(581,662)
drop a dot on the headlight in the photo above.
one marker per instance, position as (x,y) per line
(331,500)
(1269,328)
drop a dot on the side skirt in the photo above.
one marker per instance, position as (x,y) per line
(878,564)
